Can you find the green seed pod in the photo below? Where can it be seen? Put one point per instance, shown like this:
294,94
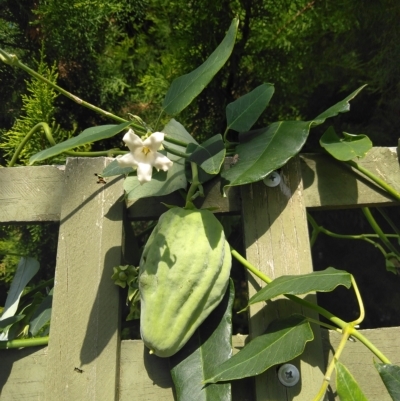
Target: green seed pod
183,276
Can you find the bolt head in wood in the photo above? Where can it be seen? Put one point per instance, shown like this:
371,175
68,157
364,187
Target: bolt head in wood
272,180
288,375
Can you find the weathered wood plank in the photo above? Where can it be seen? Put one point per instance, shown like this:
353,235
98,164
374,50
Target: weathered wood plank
277,243
147,377
85,315
23,374
359,360
30,194
34,194
332,184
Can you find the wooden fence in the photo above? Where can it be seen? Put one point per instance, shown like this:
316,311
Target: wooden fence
85,320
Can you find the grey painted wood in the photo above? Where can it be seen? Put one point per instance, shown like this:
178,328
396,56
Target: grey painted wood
277,243
332,184
30,194
359,360
85,315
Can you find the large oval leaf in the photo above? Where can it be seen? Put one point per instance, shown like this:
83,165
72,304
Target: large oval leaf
390,375
210,345
286,340
346,148
347,387
267,149
322,281
89,135
185,88
244,112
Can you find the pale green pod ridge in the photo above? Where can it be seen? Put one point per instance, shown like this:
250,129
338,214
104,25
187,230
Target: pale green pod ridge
184,272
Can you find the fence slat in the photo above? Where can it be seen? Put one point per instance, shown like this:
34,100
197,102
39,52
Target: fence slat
31,194
277,243
85,315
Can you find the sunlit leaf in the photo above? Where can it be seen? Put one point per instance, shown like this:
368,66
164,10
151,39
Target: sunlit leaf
185,88
284,341
267,149
245,111
41,315
346,148
390,375
322,281
347,388
26,269
210,345
210,155
89,135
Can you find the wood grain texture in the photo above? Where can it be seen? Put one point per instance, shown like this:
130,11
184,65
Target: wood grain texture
30,194
359,360
22,374
277,243
85,315
332,184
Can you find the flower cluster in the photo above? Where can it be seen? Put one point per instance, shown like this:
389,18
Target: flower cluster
143,155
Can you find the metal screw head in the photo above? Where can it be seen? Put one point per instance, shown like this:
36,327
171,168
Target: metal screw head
288,375
272,180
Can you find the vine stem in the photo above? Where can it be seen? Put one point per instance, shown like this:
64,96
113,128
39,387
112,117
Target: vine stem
374,178
323,312
25,342
13,60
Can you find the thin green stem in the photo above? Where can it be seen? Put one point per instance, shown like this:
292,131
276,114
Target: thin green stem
327,378
359,300
374,178
26,342
175,152
375,226
389,221
14,61
196,185
323,312
364,237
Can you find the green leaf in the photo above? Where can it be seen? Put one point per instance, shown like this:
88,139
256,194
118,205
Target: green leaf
89,135
322,281
114,169
9,321
210,345
26,269
347,387
185,88
390,375
210,154
41,315
162,182
346,148
202,175
284,341
245,111
341,107
267,149
176,130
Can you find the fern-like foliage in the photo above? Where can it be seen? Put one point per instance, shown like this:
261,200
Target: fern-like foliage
37,106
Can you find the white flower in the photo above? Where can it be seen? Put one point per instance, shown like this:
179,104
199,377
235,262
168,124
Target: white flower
143,155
